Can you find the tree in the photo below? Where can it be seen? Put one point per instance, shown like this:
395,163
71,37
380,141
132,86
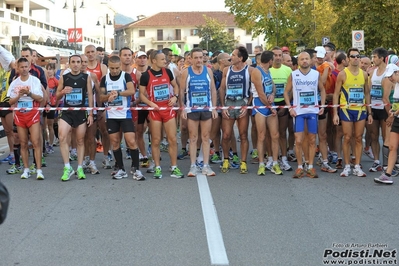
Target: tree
377,18
214,36
290,23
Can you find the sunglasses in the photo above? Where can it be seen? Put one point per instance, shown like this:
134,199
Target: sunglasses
205,54
354,56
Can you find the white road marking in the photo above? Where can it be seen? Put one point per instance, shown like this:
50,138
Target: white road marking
217,250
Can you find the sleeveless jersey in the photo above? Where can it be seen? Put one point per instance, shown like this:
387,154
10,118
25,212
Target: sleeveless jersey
267,83
77,98
97,71
158,88
120,101
4,77
376,91
238,83
198,90
395,98
305,90
352,91
280,77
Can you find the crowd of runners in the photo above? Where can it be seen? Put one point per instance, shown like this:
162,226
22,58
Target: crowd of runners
306,110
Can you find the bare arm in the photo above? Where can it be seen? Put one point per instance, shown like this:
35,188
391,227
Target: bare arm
338,84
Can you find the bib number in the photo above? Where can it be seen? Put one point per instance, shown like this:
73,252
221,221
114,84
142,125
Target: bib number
307,98
234,90
376,92
161,93
199,99
268,87
27,104
356,95
279,90
75,97
117,101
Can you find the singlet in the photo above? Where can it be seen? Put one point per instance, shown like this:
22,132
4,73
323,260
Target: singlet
158,88
395,98
77,98
352,91
377,91
327,85
120,101
97,71
52,84
198,90
238,83
4,76
305,90
267,83
280,76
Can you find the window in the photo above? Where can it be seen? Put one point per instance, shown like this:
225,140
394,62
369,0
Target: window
159,35
142,48
249,48
177,34
159,47
231,31
141,33
248,32
194,32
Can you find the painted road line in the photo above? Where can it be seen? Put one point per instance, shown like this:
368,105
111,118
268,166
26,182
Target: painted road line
217,250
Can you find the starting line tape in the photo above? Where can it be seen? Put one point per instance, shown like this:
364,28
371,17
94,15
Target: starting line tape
181,108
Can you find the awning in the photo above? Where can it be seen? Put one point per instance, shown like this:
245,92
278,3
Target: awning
42,50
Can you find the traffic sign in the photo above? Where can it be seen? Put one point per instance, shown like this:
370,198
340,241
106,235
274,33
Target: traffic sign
358,39
325,40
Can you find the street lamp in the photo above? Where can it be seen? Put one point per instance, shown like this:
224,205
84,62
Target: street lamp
106,21
74,19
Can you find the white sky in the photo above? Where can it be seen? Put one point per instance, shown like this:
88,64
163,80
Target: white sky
151,7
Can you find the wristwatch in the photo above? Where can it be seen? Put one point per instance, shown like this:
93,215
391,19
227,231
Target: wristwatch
177,96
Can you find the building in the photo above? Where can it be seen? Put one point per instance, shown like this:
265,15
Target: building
43,25
163,29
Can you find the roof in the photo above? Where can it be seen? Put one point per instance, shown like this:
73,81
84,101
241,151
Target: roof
168,19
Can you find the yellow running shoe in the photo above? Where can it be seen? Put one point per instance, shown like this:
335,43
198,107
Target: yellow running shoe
243,168
225,166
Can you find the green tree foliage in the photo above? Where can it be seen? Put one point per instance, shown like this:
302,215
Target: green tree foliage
378,19
214,36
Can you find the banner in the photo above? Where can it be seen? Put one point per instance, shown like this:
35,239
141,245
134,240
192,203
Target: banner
71,35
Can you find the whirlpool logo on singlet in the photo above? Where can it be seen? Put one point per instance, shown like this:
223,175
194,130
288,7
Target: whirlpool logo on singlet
300,82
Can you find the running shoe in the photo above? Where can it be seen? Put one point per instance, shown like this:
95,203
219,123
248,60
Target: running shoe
254,157
199,164
106,163
32,169
236,159
358,172
369,153
128,156
269,165
80,173
327,168
384,179
182,155
276,169
93,169
339,164
334,158
68,172
346,172
164,147
25,175
376,167
44,164
261,169
40,176
216,158
176,173
145,163
299,172
158,173
225,166
285,165
193,171
14,169
291,157
120,174
243,168
312,173
8,158
151,167
207,170
138,176
73,157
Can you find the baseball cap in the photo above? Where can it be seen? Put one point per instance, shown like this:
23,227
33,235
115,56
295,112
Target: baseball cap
330,45
321,51
392,59
391,68
285,49
141,53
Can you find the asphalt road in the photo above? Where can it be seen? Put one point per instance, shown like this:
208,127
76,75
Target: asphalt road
229,219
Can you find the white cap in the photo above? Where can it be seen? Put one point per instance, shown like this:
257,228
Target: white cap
321,51
141,53
391,68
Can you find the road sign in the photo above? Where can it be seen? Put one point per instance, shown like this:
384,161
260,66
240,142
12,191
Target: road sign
325,40
358,39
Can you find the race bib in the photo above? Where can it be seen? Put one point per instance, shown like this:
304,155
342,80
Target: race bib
25,104
199,99
307,98
117,101
161,92
376,92
268,87
75,97
279,91
234,90
356,95
53,97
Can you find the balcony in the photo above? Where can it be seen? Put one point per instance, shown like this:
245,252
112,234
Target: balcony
168,40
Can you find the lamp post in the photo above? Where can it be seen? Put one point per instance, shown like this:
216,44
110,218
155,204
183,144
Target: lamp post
106,21
74,19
